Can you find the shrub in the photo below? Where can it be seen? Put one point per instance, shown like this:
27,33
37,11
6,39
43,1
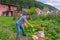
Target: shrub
31,11
34,17
51,16
43,17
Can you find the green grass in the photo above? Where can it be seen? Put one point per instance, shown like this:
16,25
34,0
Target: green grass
50,25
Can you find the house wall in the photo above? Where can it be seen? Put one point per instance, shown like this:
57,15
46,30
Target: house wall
3,8
13,8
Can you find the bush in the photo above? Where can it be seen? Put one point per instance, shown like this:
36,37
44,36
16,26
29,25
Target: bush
51,16
34,17
31,11
42,17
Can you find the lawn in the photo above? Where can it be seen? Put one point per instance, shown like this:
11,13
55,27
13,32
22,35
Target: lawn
7,23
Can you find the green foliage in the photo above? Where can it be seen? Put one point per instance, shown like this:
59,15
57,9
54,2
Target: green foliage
39,5
45,8
31,11
51,16
34,17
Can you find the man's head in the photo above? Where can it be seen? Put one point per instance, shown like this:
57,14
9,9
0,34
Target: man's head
27,15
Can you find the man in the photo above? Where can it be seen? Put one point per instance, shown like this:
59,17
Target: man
22,20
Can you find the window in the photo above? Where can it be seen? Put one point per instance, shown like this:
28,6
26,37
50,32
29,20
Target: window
4,6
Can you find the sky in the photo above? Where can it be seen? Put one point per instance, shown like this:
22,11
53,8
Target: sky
55,3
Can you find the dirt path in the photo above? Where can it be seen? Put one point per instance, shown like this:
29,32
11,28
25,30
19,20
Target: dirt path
25,38
12,34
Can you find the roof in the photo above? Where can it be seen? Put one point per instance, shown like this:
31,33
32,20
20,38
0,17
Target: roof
8,4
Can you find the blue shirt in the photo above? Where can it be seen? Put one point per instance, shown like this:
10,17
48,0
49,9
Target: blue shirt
21,20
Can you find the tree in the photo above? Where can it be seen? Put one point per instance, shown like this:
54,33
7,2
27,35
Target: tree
31,11
46,8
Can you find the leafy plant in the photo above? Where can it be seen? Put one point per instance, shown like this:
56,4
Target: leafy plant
31,11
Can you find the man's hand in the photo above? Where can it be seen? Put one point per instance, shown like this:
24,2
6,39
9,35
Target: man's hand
28,23
32,26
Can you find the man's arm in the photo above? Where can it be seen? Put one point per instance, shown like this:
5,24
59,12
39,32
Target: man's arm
28,23
25,24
